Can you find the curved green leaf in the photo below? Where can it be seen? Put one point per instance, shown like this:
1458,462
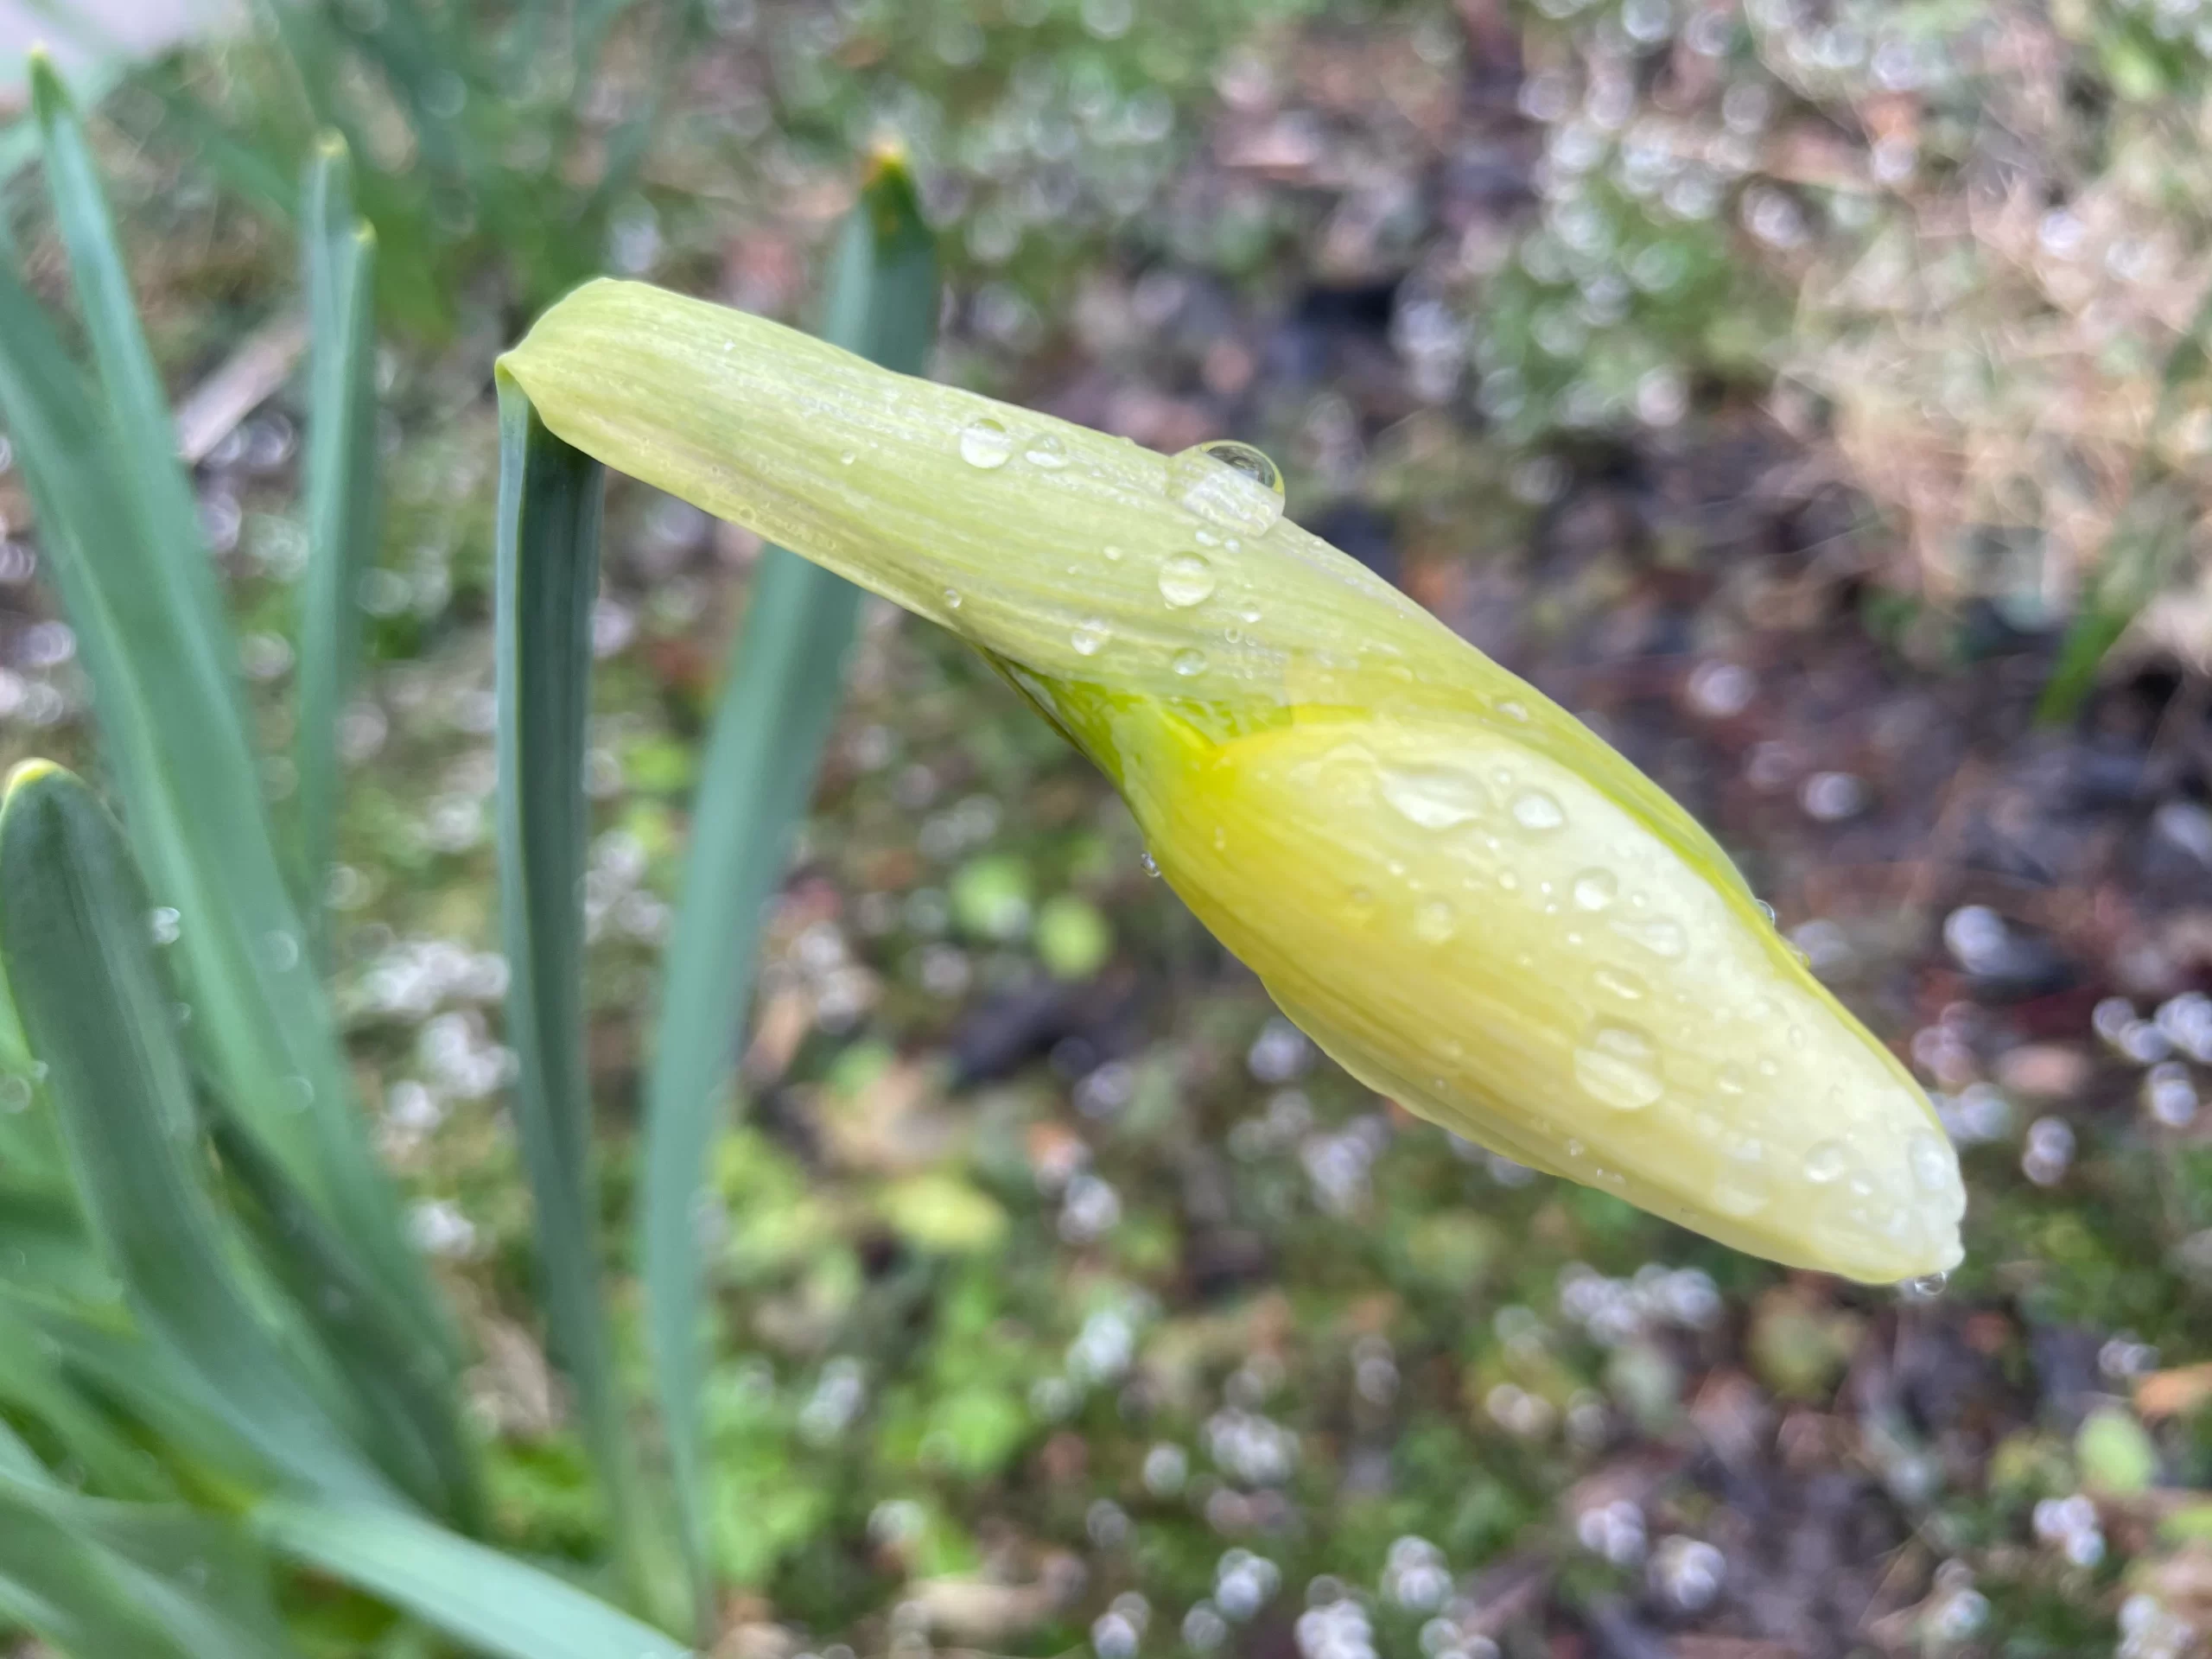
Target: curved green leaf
74,948
494,1603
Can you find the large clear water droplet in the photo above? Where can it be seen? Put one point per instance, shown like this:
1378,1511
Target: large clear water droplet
1617,1067
1231,484
1538,809
1089,635
1435,798
1187,579
984,443
1243,458
1047,451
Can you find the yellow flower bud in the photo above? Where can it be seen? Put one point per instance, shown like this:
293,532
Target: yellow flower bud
1453,885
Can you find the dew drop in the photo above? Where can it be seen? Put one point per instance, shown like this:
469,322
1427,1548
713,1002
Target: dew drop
1435,921
1151,864
1233,484
953,599
1538,809
1513,711
848,458
1112,554
1615,1068
1596,889
1826,1161
1656,934
1925,1288
1435,798
1089,635
1618,982
163,925
279,951
1361,902
1190,662
1045,450
1185,580
984,443
1741,1196
1730,1078
1930,1161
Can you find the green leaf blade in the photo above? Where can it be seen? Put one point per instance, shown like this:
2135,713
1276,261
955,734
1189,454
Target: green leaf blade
338,260
780,697
119,530
96,1578
491,1602
74,948
547,577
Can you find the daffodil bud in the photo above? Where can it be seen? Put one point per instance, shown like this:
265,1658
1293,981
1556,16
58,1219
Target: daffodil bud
1451,884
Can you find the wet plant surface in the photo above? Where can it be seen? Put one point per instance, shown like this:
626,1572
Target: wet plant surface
1068,1297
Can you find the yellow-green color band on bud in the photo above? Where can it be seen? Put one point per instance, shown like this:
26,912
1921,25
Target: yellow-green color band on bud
1453,886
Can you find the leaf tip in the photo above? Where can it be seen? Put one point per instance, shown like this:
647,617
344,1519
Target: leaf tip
888,158
49,92
27,772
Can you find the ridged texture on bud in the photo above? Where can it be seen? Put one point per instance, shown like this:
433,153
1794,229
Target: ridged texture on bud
1453,886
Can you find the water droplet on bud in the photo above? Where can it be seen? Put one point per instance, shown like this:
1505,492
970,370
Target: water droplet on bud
1186,579
1231,484
1536,809
984,443
1596,889
1617,1067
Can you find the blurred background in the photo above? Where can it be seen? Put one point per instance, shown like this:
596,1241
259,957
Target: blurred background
1811,396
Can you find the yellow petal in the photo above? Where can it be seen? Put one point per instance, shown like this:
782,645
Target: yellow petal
1492,940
